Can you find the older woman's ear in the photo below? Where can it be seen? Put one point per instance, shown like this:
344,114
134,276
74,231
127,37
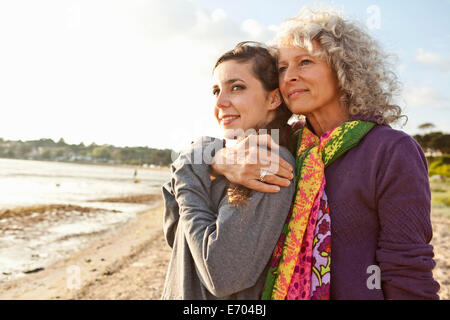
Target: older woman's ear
274,99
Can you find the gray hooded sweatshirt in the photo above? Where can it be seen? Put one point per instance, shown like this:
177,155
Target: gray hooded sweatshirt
219,250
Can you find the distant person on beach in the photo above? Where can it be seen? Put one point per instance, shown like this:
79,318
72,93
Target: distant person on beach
360,224
135,179
222,234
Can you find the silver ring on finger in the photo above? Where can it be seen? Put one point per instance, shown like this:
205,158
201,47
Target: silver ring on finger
262,174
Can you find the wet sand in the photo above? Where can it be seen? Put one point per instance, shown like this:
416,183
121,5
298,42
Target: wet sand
126,263
33,237
21,217
131,261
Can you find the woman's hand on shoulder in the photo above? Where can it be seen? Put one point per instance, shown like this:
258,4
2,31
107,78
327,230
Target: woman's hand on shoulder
243,163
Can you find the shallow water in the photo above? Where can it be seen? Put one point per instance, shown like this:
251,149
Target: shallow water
25,183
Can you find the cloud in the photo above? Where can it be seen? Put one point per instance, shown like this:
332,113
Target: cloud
424,104
425,97
218,15
433,60
258,31
124,72
273,28
253,28
401,67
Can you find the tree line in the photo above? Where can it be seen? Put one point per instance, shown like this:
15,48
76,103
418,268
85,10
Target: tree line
437,148
47,149
434,141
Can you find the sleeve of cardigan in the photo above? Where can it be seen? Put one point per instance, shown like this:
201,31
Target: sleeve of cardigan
404,253
231,245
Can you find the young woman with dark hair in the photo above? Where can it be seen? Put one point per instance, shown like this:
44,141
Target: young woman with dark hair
222,234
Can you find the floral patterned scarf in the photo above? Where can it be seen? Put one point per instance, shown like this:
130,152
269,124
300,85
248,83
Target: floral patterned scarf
300,264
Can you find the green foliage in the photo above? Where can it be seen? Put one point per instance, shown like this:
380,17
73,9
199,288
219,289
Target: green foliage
440,198
441,167
102,152
47,149
46,155
426,126
436,141
444,200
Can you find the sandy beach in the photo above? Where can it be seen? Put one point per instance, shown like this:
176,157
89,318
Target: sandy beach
130,263
126,263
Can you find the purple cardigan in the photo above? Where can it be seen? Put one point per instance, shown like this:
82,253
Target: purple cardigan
379,198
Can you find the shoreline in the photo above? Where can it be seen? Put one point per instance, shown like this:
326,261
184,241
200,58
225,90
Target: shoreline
130,262
90,273
129,166
33,237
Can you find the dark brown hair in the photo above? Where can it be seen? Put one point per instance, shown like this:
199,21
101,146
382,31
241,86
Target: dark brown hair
265,70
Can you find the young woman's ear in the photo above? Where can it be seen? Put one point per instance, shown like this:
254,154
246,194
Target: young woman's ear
274,99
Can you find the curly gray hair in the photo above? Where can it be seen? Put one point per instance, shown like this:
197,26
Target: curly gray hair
367,83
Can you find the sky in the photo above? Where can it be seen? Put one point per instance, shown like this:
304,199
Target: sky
139,73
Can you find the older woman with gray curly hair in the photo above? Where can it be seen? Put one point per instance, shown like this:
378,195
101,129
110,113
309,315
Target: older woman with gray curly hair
359,226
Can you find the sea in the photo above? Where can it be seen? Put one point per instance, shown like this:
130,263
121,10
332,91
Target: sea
26,183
